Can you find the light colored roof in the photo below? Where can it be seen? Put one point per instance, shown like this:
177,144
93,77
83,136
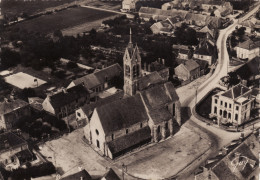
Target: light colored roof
191,65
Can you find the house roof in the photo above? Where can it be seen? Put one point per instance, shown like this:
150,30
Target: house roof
36,102
150,79
129,140
77,176
10,140
156,66
191,65
99,77
203,64
247,23
205,30
88,108
122,113
111,175
10,105
206,48
249,69
249,45
67,96
236,91
159,95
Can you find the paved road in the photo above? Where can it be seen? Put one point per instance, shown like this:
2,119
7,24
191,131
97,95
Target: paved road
218,137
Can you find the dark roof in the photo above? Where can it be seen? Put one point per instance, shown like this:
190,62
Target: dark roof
249,44
77,176
10,140
159,95
222,171
67,96
160,115
206,48
156,66
191,65
122,113
111,175
203,64
88,108
236,91
129,140
10,105
36,103
150,79
249,69
99,77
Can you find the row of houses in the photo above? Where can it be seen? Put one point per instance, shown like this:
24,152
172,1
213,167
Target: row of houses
200,20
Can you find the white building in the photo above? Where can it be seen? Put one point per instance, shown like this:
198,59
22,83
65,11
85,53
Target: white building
129,5
248,49
232,106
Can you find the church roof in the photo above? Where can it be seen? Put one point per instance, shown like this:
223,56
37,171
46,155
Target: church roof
149,79
122,113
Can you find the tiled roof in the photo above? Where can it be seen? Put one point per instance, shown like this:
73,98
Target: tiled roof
150,79
10,105
99,77
122,113
191,65
236,91
159,95
88,108
77,176
62,98
249,69
202,64
129,140
205,29
206,48
111,175
249,45
160,115
10,140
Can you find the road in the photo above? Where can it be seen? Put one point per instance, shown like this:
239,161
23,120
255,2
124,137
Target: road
102,9
218,137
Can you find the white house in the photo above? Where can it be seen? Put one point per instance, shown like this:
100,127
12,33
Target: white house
129,5
232,106
248,49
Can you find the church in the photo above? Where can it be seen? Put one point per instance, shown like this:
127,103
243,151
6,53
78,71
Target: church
148,112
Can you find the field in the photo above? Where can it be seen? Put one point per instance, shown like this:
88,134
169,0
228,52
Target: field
23,80
64,19
13,8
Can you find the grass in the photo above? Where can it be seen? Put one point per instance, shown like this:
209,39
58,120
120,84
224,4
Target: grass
64,19
204,107
13,8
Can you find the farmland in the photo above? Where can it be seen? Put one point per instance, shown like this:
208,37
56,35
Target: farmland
64,19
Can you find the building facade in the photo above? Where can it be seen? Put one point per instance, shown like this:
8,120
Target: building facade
232,106
248,50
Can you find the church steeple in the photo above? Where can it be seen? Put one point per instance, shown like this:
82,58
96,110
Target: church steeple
132,67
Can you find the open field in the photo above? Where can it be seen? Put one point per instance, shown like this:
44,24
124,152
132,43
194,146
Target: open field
13,8
64,19
23,80
71,152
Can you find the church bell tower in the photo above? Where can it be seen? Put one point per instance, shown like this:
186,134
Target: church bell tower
132,68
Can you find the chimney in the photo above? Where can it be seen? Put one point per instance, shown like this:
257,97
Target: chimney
149,67
163,61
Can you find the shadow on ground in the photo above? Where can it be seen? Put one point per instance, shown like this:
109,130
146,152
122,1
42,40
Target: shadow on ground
185,114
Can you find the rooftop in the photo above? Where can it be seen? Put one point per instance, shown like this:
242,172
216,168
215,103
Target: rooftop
81,175
236,91
249,45
10,140
8,106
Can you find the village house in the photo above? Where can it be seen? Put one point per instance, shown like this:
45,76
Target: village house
188,70
13,150
232,106
248,49
11,110
205,33
248,24
206,51
183,52
157,66
234,163
129,5
64,102
149,111
99,80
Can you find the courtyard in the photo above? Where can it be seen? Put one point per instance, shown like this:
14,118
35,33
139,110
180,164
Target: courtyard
152,161
23,80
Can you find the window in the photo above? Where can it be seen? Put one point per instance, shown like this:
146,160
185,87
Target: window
229,115
216,101
166,125
237,107
173,109
158,129
225,104
98,144
215,110
225,114
221,103
112,137
246,106
236,117
141,125
229,105
97,132
78,114
220,112
127,70
126,131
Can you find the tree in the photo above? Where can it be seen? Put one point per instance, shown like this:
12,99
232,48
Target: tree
58,34
9,58
72,65
25,93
